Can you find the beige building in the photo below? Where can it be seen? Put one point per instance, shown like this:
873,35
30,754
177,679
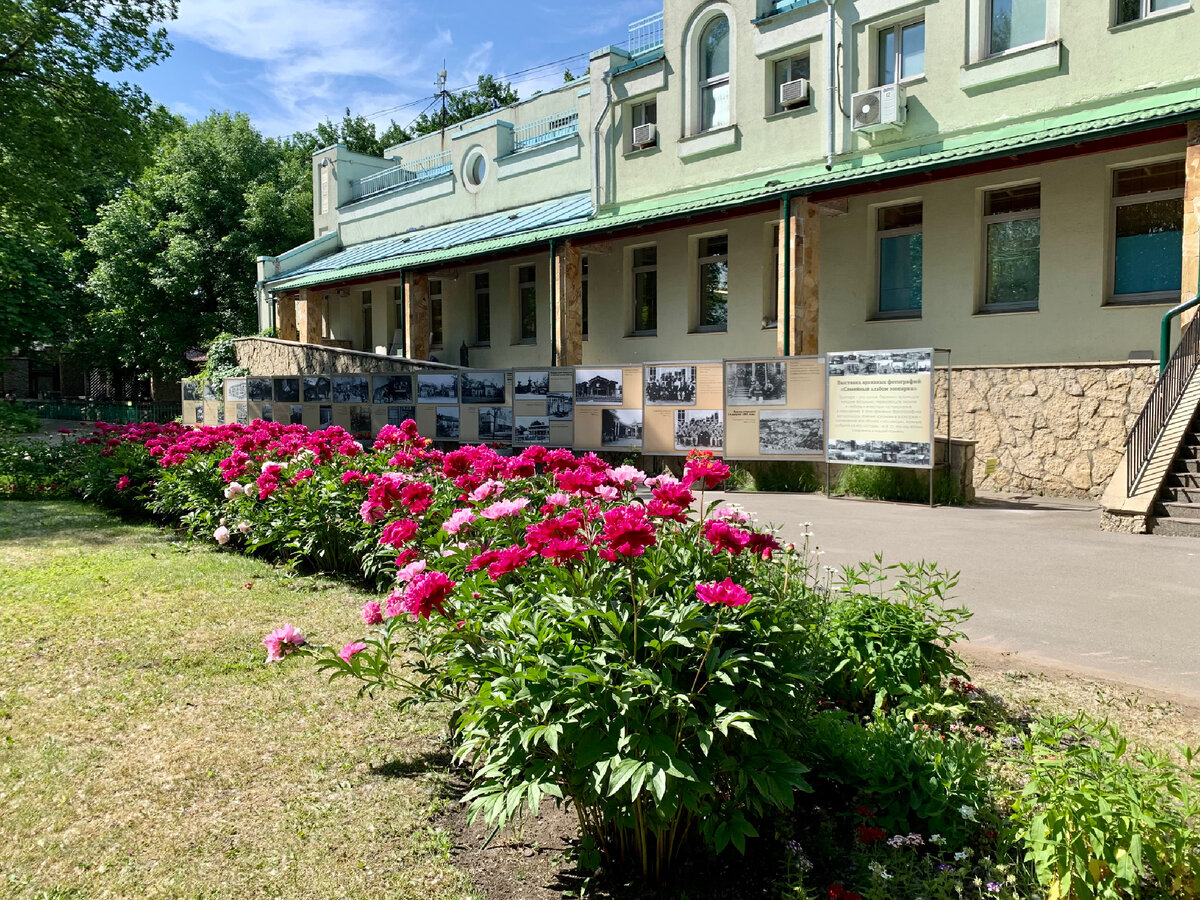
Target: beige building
1014,180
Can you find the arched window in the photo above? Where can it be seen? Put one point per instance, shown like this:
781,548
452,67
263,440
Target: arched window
714,75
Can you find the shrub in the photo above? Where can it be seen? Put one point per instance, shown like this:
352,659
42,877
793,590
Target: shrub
17,419
897,484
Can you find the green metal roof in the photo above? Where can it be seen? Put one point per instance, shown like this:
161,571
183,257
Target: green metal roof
1137,112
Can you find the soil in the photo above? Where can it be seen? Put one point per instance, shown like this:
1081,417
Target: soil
534,859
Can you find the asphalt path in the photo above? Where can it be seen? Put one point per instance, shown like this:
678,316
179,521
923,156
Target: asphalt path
1041,578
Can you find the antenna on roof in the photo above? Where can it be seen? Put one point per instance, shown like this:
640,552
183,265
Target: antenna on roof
441,86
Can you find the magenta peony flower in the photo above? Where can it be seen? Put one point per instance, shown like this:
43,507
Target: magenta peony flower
283,641
221,535
722,593
502,508
398,531
351,650
724,536
123,482
508,560
626,532
707,470
371,613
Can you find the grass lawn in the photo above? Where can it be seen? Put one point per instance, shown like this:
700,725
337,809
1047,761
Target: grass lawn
147,751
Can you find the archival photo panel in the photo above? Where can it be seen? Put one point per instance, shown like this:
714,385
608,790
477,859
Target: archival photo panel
775,408
607,408
684,408
881,408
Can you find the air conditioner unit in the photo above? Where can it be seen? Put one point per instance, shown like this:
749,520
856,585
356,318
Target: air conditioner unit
645,135
879,108
793,93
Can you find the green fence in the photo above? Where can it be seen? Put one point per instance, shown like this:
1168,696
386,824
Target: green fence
107,412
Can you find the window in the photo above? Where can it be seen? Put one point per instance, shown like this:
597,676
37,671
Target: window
714,75
771,295
436,338
714,284
399,344
1148,231
901,53
1015,23
483,309
1013,239
527,303
368,341
583,283
1132,10
644,114
790,69
898,232
645,290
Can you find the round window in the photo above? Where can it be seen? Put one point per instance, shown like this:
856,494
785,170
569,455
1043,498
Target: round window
475,168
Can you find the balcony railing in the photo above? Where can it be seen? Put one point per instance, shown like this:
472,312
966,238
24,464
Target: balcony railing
545,130
424,169
781,6
645,35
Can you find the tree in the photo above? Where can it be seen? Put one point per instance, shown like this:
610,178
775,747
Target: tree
175,250
487,95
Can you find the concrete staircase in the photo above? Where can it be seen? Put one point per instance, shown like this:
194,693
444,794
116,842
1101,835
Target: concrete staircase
1177,510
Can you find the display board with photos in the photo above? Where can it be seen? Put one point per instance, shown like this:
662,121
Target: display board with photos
438,413
485,407
544,407
393,400
683,405
880,408
608,408
775,408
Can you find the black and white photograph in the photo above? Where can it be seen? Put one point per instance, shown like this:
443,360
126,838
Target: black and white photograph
326,416
447,423
287,390
258,389
191,391
791,432
699,429
295,414
235,390
560,406
437,388
391,389
199,413
398,415
317,389
496,424
531,384
880,362
350,389
598,387
670,385
268,412
242,412
211,393
756,383
531,430
360,421
220,413
482,387
887,453
621,427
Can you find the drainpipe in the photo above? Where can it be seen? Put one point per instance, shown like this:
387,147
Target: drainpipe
607,78
787,275
830,76
553,308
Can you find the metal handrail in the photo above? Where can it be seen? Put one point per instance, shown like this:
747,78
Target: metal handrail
546,129
645,35
1175,372
424,169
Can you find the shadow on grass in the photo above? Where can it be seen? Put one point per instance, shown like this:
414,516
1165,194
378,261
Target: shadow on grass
421,764
66,520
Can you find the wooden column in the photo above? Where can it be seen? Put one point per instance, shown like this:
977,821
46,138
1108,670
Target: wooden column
568,305
416,313
1191,219
285,317
310,310
805,300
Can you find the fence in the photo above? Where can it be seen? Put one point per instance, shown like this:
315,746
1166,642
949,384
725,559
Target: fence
423,169
1144,435
645,35
107,412
545,130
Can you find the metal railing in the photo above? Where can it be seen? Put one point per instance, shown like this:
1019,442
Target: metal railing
1175,374
645,35
781,6
423,169
546,129
87,411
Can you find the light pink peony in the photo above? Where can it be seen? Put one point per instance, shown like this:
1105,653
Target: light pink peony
489,488
458,520
411,571
222,535
372,614
608,492
283,641
558,498
502,508
244,527
626,475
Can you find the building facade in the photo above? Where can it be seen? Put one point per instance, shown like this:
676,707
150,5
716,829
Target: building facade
1015,180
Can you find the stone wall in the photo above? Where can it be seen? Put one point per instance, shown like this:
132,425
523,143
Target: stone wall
1053,430
267,356
14,377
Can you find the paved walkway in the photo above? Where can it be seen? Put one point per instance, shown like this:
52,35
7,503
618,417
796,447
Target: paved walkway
1040,577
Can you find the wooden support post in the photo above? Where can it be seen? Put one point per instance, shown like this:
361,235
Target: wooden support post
1191,220
804,303
416,312
285,317
310,310
568,302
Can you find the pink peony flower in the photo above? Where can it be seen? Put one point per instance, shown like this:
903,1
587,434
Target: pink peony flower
731,514
371,613
397,532
411,571
724,536
123,482
221,535
425,593
608,492
488,489
283,641
502,508
626,532
627,476
705,469
244,527
458,520
723,593
351,650
558,498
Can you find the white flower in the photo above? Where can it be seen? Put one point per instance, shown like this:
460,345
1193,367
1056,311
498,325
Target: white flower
935,838
244,527
234,490
222,534
967,812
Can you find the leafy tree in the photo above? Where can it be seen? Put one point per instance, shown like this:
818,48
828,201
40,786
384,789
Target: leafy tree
487,95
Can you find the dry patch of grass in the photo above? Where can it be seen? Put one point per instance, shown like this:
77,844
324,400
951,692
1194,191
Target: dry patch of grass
147,751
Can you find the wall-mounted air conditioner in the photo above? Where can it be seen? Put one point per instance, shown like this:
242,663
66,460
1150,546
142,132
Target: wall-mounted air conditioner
645,135
793,93
879,108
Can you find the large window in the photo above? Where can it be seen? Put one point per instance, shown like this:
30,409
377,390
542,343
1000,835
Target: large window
898,231
368,336
583,284
1012,228
714,75
436,339
527,303
901,53
1132,10
713,311
791,69
483,309
1148,226
1015,23
645,290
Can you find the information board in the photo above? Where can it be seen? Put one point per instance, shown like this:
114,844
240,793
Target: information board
684,408
608,408
486,414
544,407
880,406
775,408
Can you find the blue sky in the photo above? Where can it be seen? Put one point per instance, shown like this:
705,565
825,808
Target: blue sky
292,63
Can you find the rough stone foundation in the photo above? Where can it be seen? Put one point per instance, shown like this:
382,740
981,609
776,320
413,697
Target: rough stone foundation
1053,430
268,356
